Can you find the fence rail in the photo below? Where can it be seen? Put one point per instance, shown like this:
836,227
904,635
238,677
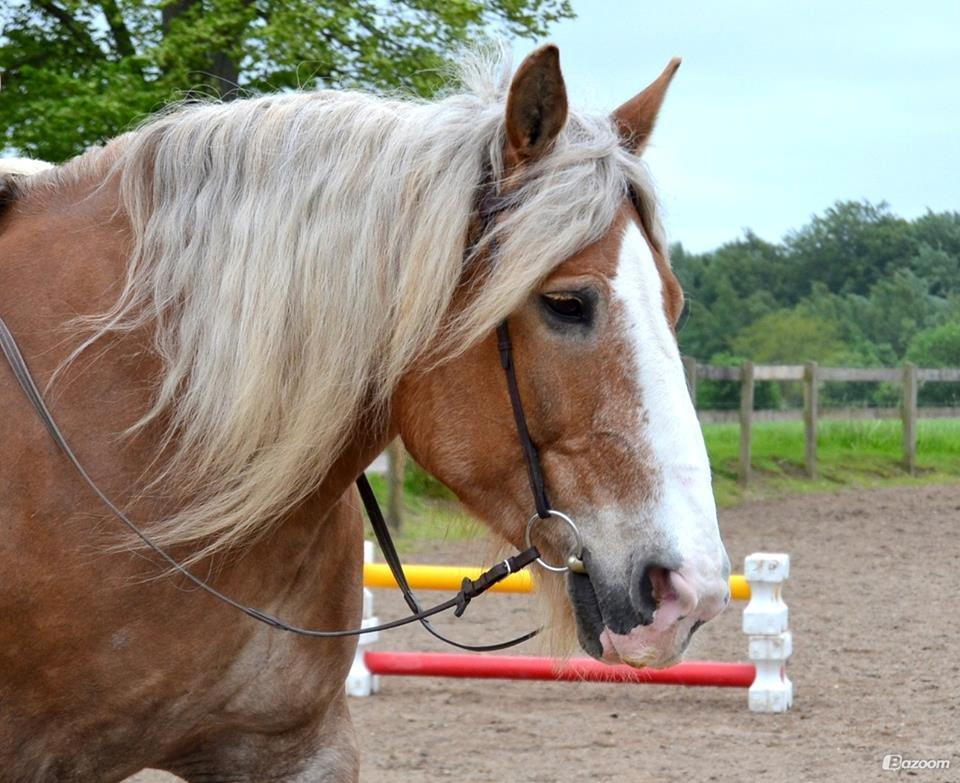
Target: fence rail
795,372
812,376
711,416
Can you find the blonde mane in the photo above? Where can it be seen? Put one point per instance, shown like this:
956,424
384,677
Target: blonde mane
298,252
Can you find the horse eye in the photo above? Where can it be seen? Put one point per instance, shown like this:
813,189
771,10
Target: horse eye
566,307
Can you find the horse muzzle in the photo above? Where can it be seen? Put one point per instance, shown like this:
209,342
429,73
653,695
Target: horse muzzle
652,621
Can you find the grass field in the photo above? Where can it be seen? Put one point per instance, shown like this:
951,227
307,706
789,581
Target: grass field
850,454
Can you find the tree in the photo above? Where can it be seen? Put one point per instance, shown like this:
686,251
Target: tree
940,230
939,268
851,246
725,290
789,337
77,72
937,347
711,325
900,306
749,265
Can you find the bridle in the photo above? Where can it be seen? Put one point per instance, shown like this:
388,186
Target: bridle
490,206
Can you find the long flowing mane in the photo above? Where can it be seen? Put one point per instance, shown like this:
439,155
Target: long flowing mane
297,252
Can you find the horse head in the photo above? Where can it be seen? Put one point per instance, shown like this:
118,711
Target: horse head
605,398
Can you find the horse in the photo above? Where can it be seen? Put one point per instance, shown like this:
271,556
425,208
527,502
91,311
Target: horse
232,309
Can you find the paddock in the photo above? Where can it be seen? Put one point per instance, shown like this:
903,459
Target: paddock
873,574
871,593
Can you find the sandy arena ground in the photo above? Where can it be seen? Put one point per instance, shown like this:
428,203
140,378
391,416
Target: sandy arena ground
873,610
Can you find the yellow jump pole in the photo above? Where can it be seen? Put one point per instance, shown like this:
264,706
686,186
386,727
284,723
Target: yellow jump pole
431,577
739,588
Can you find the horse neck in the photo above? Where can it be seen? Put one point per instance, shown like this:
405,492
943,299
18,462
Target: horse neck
63,253
367,441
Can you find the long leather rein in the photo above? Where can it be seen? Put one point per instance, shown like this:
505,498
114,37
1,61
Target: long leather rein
490,205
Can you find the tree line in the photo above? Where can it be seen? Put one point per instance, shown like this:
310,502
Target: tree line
858,286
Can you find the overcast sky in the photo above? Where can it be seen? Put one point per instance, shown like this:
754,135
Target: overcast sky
780,108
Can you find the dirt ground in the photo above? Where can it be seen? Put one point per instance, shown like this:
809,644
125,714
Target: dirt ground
873,610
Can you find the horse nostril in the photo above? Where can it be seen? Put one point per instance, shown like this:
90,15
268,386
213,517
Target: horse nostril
653,580
658,587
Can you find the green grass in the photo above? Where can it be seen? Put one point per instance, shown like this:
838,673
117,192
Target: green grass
850,454
430,513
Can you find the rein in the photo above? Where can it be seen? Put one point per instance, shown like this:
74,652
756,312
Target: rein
490,206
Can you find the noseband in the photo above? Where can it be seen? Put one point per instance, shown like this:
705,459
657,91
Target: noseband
490,205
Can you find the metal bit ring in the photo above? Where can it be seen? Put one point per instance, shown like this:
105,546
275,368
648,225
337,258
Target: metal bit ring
576,532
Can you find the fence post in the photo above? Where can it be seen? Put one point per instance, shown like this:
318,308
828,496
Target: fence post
811,404
746,418
690,370
396,457
908,412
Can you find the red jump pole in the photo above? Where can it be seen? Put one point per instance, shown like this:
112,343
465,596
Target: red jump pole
525,667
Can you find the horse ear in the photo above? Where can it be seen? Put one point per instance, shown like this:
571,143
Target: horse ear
536,106
635,119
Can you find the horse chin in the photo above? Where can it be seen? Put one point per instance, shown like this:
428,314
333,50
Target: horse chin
640,648
613,649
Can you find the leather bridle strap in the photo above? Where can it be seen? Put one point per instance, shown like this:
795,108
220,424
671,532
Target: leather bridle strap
490,205
389,552
530,453
469,590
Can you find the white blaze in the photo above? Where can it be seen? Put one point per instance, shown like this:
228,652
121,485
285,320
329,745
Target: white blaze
686,514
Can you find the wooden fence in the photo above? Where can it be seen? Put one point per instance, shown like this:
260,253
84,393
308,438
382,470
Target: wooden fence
811,375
